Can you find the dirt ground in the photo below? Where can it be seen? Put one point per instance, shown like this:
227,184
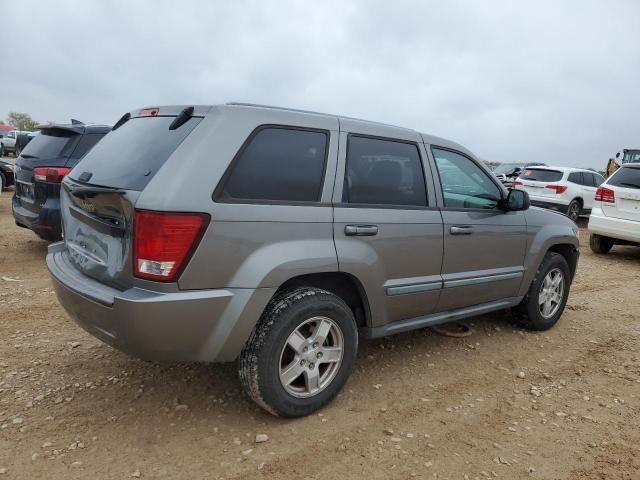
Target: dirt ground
503,403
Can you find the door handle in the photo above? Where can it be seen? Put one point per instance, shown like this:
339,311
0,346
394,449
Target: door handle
461,230
361,230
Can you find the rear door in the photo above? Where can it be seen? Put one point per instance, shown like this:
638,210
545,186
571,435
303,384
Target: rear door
484,246
52,148
99,195
387,228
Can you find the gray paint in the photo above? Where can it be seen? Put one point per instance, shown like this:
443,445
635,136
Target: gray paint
413,272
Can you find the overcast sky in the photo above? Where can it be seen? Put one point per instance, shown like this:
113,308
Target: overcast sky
557,82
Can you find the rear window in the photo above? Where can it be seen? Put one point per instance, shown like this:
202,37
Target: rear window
131,155
51,143
542,175
626,177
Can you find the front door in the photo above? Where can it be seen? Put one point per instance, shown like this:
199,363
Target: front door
387,229
484,246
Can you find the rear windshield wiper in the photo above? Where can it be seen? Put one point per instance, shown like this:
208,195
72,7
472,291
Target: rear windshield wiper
26,155
182,118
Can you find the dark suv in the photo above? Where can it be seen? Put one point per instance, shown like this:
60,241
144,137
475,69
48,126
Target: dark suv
40,168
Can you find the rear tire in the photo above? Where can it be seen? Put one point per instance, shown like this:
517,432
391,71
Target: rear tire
573,210
600,244
283,369
3,182
532,313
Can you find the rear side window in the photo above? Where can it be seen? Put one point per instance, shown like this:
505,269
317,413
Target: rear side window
129,156
575,177
85,144
383,172
542,175
278,164
626,177
51,143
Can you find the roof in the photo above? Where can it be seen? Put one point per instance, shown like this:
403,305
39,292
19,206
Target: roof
564,169
6,128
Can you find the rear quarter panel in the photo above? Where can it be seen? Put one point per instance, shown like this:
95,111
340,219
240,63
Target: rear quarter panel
247,245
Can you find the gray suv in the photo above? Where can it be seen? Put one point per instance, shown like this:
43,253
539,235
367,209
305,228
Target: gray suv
278,237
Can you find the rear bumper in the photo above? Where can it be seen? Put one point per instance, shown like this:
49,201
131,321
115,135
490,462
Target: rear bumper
195,325
616,228
45,222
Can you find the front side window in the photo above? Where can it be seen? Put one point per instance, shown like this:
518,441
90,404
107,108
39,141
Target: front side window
383,172
278,164
464,184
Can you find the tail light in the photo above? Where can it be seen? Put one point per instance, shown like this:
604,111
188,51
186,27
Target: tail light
50,174
558,188
605,195
164,242
515,184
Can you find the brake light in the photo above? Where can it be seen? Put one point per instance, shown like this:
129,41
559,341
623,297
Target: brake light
50,174
515,184
558,188
164,242
605,195
149,112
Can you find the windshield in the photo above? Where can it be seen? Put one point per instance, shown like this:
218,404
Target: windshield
507,168
631,156
129,156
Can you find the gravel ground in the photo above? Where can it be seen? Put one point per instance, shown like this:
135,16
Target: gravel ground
503,403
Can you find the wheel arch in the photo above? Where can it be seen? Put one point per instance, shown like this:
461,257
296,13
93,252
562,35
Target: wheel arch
341,284
570,254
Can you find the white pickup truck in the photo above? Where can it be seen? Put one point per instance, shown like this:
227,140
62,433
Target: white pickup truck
8,142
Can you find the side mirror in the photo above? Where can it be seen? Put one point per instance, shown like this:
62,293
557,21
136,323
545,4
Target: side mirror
516,201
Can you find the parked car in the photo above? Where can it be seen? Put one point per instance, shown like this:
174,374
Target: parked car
566,190
8,142
41,167
508,172
278,237
615,218
22,140
6,175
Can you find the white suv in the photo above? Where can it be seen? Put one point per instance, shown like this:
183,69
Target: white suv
567,190
615,218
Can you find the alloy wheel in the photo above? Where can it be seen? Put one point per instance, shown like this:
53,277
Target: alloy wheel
311,357
551,293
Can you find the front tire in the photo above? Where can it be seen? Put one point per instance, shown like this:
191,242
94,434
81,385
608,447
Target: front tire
300,353
544,303
600,244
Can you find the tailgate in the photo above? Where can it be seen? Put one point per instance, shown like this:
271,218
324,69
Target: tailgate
626,206
98,226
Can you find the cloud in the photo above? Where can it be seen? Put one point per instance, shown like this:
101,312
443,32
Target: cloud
512,81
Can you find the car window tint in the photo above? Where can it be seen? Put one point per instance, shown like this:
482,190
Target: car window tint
626,177
464,184
279,164
542,175
588,179
51,143
575,177
383,172
599,179
85,144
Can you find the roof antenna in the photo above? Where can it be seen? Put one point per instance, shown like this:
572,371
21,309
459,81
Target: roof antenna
76,122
